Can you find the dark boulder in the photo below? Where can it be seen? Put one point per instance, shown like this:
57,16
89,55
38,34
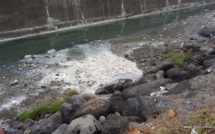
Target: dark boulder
205,32
87,124
192,71
69,108
209,63
117,101
181,87
176,74
115,124
142,106
61,129
95,107
210,51
144,89
165,65
117,85
47,126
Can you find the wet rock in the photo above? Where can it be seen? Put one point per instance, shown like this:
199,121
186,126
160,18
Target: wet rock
115,124
141,80
15,82
176,74
144,89
84,125
117,85
142,106
61,129
165,65
95,107
209,63
69,108
181,87
205,32
210,51
89,96
117,101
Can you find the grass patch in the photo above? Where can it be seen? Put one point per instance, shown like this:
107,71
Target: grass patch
169,55
178,58
49,107
73,92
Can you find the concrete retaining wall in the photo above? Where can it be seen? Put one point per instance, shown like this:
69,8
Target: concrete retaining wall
22,14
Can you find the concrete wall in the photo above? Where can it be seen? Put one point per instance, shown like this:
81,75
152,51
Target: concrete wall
20,14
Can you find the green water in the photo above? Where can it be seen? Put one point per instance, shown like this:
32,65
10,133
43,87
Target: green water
15,50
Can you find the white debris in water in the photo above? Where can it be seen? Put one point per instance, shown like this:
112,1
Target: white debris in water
51,51
100,66
12,102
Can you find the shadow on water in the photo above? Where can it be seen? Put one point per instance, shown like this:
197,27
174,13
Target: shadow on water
15,50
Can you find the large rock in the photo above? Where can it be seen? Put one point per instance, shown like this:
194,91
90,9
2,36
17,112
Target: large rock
176,74
69,108
209,63
115,124
61,129
181,87
117,85
95,107
193,71
84,125
89,96
142,106
117,101
205,32
47,126
210,51
165,65
144,89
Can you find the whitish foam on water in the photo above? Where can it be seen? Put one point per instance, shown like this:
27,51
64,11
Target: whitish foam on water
12,102
100,66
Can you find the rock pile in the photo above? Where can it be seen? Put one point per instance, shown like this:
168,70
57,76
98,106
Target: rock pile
164,86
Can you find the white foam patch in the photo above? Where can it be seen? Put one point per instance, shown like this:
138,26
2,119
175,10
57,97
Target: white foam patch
12,102
99,67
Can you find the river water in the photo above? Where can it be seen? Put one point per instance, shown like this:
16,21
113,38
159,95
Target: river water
82,59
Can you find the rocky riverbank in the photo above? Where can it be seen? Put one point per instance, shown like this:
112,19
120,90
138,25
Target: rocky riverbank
178,78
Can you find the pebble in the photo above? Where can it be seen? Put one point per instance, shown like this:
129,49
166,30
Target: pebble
15,82
102,119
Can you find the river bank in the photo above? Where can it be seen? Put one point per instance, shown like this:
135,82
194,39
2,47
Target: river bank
47,72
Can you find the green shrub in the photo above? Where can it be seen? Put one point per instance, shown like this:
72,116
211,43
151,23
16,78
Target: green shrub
178,58
73,92
49,107
169,55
